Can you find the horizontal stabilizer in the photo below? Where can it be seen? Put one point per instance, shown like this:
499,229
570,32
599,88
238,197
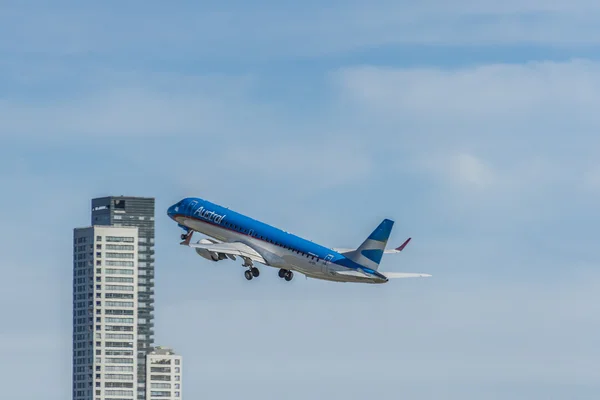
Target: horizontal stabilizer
399,275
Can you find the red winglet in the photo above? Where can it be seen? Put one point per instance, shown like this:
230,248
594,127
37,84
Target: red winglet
403,245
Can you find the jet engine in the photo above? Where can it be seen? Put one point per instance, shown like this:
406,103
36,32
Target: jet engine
209,255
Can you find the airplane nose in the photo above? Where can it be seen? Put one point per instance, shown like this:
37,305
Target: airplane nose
171,210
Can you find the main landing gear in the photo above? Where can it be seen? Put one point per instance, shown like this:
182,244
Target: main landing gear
286,274
251,272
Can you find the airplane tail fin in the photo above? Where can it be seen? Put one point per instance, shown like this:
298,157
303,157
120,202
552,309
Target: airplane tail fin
370,252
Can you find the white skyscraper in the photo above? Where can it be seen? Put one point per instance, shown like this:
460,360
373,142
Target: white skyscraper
163,375
105,330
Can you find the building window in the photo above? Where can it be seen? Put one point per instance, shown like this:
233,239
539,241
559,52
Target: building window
120,255
111,263
115,271
160,386
98,238
120,247
120,288
116,239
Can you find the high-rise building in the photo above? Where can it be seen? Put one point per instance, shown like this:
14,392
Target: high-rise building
127,211
164,374
105,326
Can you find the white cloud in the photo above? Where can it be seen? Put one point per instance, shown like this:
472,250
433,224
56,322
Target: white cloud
528,119
462,169
485,94
505,143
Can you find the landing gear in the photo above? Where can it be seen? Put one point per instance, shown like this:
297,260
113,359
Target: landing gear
285,274
251,273
186,237
248,275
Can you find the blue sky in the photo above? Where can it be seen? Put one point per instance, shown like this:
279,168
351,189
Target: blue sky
473,125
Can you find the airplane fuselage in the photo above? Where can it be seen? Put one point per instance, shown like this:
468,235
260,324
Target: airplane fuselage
279,248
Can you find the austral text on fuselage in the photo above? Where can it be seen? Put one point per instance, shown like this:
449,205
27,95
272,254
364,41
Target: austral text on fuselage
208,215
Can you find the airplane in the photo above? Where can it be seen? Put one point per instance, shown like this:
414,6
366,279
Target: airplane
231,234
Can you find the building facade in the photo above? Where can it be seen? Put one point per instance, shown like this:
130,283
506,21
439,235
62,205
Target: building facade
164,372
105,326
129,211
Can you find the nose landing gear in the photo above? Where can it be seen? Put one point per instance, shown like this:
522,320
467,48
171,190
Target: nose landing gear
186,237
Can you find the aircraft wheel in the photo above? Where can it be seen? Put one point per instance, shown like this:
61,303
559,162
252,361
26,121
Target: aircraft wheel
248,275
289,275
183,236
282,273
255,272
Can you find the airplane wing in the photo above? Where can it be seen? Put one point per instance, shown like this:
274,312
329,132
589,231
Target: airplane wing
389,251
231,248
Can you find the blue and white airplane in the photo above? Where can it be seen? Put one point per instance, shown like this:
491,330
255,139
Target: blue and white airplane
235,235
